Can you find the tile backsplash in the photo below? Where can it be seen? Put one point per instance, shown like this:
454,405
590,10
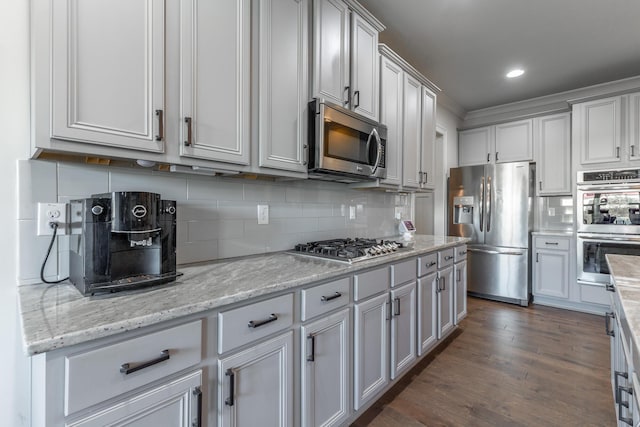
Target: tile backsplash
554,213
217,217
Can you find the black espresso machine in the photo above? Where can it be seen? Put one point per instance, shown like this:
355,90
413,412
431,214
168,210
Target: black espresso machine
122,240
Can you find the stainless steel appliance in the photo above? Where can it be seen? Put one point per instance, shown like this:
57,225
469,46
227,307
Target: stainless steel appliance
348,250
491,204
122,240
608,220
343,146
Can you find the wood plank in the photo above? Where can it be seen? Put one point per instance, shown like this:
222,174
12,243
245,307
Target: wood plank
508,366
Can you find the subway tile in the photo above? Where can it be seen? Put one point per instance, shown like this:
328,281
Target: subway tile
182,232
294,225
214,189
317,210
196,252
333,223
238,210
170,187
36,183
31,252
294,194
203,230
228,248
190,211
264,192
285,210
81,181
283,242
231,228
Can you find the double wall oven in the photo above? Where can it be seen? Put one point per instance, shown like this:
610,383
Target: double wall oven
608,220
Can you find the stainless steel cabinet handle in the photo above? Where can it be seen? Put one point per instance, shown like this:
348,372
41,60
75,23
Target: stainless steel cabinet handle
396,309
481,202
551,243
374,133
632,150
126,368
257,323
431,264
496,156
540,186
189,141
488,157
442,285
487,251
197,392
621,404
331,297
607,323
489,201
462,252
232,387
347,89
618,152
537,257
609,287
357,103
448,257
160,135
312,339
616,389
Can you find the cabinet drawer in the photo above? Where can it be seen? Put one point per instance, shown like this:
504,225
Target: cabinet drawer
370,283
403,272
324,298
549,242
594,294
427,264
254,321
460,253
97,375
445,258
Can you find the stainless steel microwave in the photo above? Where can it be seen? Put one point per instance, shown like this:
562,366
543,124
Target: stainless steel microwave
343,146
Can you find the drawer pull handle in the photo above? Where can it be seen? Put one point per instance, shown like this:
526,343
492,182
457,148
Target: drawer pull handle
126,368
607,323
197,392
431,264
312,357
257,323
160,135
329,298
448,257
617,386
396,311
189,140
462,253
232,387
551,243
609,287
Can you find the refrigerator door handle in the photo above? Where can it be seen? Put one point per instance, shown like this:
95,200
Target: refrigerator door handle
481,202
489,204
488,251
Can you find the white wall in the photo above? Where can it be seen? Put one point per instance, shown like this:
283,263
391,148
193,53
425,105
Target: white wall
14,140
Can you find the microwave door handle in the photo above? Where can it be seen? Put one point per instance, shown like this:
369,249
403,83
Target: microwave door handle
481,202
374,132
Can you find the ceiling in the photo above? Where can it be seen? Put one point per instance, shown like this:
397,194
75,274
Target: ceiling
467,46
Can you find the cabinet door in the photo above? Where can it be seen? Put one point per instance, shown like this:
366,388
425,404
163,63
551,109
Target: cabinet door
325,370
391,82
255,385
514,141
597,127
214,80
460,295
475,146
553,142
446,311
364,67
283,83
107,80
634,127
403,328
551,273
331,51
174,404
412,132
371,349
428,138
427,313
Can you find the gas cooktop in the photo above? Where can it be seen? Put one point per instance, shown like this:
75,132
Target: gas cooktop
348,250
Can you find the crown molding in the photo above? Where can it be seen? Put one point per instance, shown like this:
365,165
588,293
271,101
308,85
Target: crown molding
364,13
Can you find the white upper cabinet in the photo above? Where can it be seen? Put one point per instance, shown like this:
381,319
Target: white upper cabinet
633,133
345,57
475,146
107,73
427,151
597,130
391,84
506,142
412,132
214,80
553,154
283,84
514,141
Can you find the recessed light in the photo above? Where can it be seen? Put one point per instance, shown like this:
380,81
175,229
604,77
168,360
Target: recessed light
515,73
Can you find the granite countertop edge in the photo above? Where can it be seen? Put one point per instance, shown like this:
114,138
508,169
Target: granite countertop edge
58,316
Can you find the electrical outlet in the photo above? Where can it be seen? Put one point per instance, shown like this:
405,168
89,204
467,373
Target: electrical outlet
398,212
352,212
263,214
49,213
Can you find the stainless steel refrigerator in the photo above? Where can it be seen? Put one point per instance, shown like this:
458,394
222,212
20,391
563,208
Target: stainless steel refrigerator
492,204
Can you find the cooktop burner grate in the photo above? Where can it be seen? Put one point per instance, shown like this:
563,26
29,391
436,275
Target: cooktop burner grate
348,250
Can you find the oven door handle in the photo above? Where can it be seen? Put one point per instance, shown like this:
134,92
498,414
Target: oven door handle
620,185
374,133
609,238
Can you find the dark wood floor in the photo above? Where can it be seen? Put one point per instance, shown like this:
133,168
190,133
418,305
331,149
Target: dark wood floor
508,366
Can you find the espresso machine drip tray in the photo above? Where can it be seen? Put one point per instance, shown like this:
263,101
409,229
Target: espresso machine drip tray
133,282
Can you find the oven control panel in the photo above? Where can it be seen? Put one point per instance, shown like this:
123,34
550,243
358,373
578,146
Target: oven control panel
608,175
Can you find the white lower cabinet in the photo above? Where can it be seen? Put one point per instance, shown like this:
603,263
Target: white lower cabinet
551,275
325,370
175,404
255,386
427,313
460,296
371,348
403,328
445,294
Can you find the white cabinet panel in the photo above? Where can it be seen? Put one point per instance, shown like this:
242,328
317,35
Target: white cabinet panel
107,72
325,370
364,67
255,386
412,133
553,159
475,146
427,151
391,99
403,328
460,297
634,126
551,266
427,313
597,128
214,95
446,310
514,141
283,84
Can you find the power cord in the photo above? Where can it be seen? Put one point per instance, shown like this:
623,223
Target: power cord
53,225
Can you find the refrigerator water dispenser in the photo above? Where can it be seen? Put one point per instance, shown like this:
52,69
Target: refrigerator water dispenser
463,210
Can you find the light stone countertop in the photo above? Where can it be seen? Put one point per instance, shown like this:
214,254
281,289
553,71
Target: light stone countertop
57,316
558,233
